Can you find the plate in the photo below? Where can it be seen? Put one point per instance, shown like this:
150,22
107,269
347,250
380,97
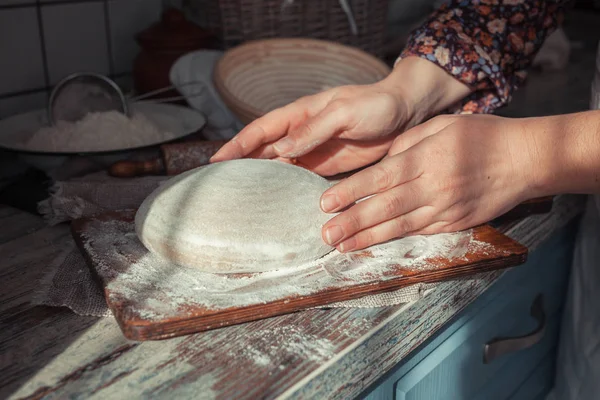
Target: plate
181,121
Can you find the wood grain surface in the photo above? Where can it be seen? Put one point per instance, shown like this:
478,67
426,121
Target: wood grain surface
130,301
50,352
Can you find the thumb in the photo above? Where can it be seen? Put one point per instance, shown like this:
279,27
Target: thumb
334,118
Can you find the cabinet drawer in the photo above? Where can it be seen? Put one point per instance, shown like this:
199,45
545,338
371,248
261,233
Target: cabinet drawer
456,370
546,271
528,373
537,384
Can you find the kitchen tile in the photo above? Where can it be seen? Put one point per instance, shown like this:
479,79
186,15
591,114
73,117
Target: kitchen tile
21,63
75,36
173,3
70,1
17,3
18,104
127,18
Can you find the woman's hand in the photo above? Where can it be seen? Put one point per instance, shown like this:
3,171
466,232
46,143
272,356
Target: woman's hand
335,131
348,127
448,174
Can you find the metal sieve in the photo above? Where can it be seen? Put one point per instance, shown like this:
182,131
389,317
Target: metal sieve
81,93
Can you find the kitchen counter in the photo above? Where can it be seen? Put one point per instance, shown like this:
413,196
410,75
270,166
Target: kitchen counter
52,353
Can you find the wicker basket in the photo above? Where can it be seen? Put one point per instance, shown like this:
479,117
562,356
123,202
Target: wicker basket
236,21
259,76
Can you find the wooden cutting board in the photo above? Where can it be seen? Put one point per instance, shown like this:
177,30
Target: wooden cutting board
152,298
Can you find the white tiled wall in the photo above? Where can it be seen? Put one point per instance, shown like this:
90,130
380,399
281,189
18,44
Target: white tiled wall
42,41
21,67
127,18
75,39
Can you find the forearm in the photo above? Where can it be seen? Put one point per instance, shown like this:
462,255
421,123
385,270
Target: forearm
424,87
565,153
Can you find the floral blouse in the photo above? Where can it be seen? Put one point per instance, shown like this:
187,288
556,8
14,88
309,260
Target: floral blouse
486,44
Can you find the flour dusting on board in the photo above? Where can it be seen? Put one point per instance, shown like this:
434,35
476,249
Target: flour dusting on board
154,288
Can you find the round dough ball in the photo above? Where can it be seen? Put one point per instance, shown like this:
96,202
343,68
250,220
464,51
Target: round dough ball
245,215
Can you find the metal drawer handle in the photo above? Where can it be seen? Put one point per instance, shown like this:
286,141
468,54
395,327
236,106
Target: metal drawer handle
501,346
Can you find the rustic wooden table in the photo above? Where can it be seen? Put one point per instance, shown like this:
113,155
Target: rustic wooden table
334,353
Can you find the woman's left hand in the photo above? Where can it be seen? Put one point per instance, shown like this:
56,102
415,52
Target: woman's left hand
448,174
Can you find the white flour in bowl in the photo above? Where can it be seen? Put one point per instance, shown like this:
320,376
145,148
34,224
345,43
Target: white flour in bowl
99,131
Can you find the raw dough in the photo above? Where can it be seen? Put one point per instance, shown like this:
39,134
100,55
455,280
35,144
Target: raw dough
243,215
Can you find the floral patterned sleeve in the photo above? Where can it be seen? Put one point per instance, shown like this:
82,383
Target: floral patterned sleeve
486,44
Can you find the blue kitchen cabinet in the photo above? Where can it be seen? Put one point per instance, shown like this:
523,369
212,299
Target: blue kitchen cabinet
451,364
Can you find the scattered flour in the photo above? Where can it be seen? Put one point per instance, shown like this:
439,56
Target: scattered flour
98,131
154,288
294,345
114,377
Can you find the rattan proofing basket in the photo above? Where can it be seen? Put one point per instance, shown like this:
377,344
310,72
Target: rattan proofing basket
259,76
235,21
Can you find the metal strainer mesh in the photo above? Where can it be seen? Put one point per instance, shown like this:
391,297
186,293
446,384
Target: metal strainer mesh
81,93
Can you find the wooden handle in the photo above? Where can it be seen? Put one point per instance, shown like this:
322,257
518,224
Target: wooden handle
130,169
181,157
176,158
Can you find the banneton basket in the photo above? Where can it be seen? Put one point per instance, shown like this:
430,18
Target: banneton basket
236,21
260,76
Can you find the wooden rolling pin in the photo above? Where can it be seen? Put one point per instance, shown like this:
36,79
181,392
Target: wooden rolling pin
175,158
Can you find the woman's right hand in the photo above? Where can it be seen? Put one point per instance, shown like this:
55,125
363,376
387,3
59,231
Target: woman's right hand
347,127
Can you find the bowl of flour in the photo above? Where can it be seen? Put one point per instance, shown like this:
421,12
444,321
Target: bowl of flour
104,137
149,124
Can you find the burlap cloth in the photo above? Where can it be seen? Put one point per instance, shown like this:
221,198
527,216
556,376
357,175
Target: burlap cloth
69,282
